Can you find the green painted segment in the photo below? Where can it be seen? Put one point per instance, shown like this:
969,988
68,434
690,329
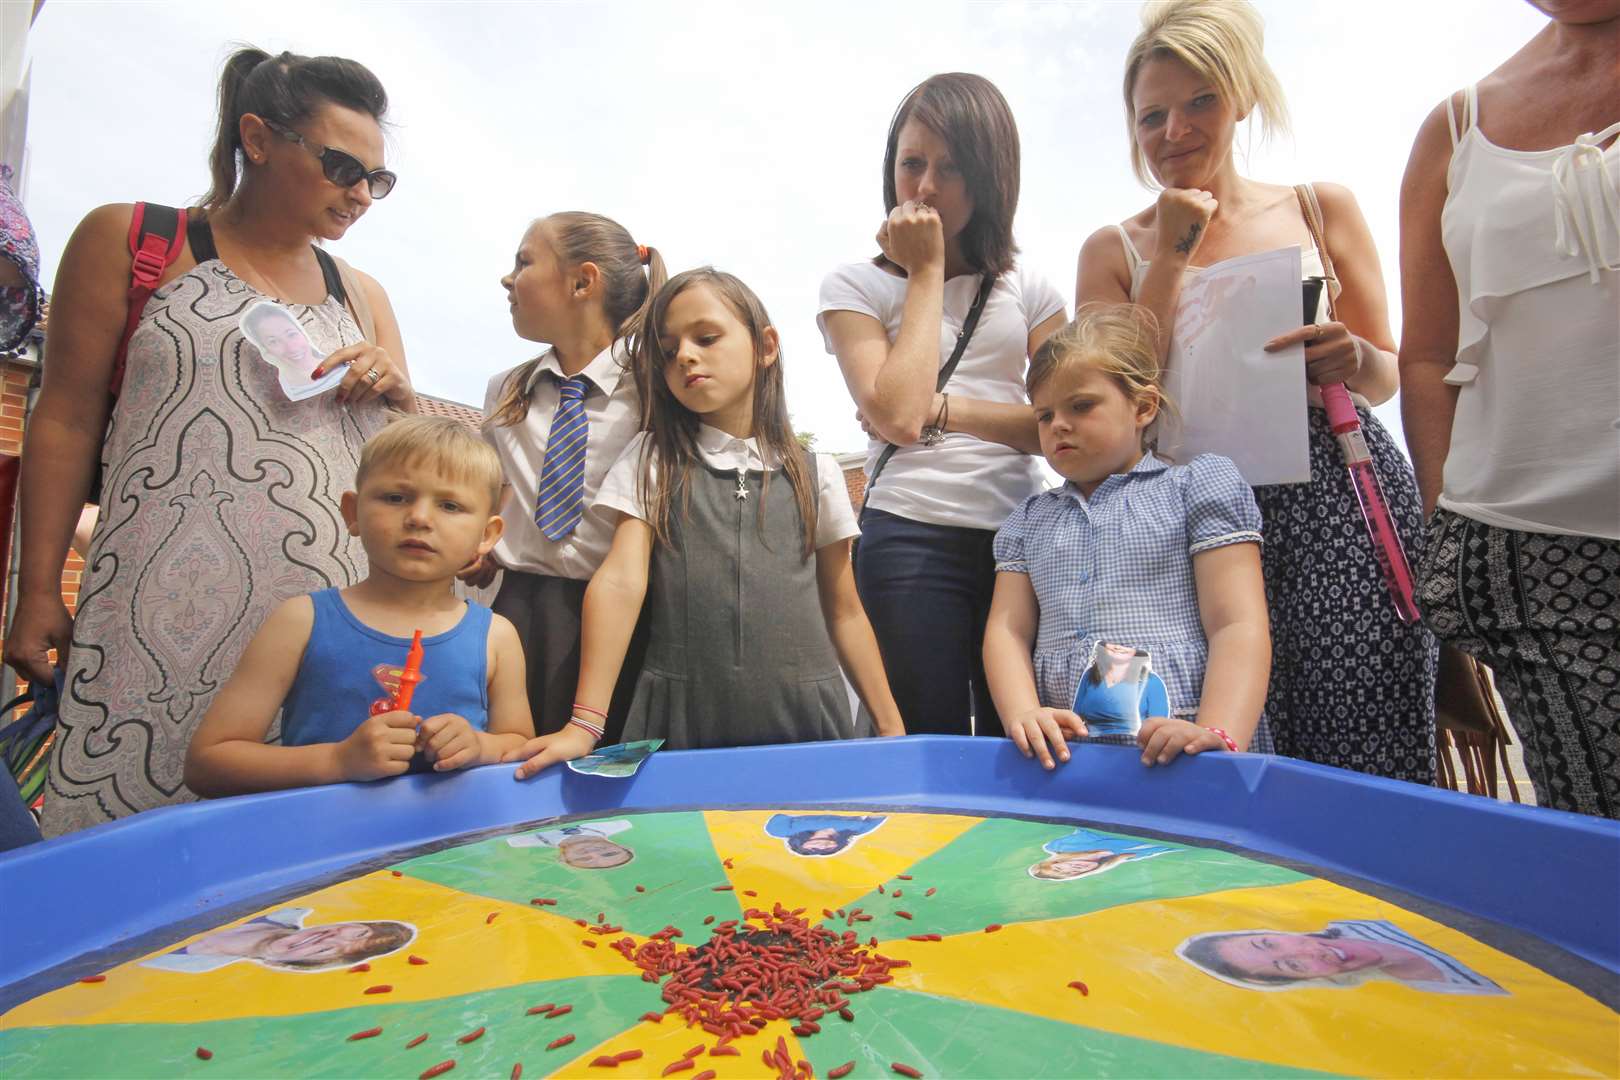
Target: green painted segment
983,877
316,1044
674,860
940,1036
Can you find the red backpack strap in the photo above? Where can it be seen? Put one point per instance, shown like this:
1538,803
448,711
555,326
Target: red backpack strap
157,234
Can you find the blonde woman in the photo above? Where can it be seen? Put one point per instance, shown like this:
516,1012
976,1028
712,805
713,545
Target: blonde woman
1351,686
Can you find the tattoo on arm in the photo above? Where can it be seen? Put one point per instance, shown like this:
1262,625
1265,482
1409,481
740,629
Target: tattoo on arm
1185,244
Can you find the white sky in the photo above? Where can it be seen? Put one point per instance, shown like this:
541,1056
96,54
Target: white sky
747,135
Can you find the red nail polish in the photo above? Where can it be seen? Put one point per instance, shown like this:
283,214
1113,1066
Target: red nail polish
317,373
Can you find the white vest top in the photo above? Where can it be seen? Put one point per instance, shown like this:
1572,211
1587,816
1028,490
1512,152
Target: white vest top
1534,242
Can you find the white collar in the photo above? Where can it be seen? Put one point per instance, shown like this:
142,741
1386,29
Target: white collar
604,370
727,450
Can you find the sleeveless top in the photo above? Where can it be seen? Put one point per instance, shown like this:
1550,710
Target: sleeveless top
738,652
219,501
1533,237
334,688
1310,261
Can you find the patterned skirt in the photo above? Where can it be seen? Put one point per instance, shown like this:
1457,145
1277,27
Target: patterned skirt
1351,685
1543,611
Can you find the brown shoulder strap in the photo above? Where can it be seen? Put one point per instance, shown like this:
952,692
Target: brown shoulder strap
355,296
1312,212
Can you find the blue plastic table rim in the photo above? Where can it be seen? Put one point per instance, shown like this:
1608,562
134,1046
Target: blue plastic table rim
107,888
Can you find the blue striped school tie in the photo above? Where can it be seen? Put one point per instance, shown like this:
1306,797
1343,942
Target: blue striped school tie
562,478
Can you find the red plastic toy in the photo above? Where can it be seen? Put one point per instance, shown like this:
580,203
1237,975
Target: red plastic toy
400,683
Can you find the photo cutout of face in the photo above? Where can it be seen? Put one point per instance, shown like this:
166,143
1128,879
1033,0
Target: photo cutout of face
281,941
1347,953
1120,690
282,343
820,835
585,846
1084,852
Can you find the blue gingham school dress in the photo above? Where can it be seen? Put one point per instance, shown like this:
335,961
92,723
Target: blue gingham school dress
1118,567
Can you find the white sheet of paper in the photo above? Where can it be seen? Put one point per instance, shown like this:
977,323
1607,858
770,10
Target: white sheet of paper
1235,398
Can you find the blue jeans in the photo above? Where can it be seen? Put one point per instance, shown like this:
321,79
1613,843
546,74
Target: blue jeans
927,589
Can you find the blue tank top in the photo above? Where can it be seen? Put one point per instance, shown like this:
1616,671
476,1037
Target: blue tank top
334,688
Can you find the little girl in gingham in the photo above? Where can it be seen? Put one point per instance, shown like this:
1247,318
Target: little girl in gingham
1132,551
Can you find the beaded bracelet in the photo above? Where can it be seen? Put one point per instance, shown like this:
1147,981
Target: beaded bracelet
1224,737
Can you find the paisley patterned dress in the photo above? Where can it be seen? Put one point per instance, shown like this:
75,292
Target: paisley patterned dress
220,500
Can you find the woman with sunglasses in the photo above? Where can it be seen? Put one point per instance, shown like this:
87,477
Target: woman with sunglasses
219,494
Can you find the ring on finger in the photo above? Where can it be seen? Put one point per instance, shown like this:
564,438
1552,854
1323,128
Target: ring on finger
372,376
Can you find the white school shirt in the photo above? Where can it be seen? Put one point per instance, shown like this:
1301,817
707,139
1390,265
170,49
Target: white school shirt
835,518
961,481
613,411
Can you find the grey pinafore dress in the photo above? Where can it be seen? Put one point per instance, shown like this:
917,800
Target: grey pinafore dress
738,653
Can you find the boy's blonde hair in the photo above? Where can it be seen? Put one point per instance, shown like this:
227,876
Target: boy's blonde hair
435,442
1119,340
1223,41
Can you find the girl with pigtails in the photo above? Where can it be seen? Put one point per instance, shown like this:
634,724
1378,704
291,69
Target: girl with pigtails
579,284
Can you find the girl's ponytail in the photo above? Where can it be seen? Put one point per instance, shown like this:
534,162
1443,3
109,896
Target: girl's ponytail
578,236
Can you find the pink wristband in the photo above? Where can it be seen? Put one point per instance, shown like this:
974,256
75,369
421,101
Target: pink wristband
1224,737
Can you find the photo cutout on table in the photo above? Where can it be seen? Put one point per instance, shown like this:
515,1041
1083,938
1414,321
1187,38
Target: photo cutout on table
280,941
1348,953
820,835
586,846
1084,853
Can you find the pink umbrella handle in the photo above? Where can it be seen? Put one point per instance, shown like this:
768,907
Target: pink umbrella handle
1386,541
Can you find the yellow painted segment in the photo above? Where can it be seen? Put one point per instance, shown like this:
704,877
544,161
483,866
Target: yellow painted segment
1140,987
764,864
465,954
666,1042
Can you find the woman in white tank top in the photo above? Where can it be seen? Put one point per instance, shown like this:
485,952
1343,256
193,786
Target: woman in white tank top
1351,685
1510,379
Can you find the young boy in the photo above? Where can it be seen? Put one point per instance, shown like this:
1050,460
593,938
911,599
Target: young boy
424,507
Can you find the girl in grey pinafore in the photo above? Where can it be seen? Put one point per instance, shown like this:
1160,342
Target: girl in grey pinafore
739,653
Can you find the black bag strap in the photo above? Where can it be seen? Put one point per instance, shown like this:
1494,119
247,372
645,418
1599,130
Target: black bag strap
333,279
962,338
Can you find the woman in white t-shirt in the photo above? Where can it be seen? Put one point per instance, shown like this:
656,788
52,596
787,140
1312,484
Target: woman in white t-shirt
924,568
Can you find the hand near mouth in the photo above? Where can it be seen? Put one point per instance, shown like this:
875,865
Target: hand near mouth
1181,217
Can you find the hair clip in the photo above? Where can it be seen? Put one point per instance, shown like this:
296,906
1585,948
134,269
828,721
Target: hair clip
643,254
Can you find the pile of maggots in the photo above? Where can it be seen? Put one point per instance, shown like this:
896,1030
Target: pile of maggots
768,966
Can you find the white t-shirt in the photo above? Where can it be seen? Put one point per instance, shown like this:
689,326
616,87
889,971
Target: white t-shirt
961,481
613,411
835,518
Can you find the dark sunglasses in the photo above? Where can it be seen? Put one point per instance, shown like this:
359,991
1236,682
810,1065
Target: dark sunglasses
340,167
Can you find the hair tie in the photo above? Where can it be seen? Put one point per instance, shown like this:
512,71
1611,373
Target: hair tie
643,254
